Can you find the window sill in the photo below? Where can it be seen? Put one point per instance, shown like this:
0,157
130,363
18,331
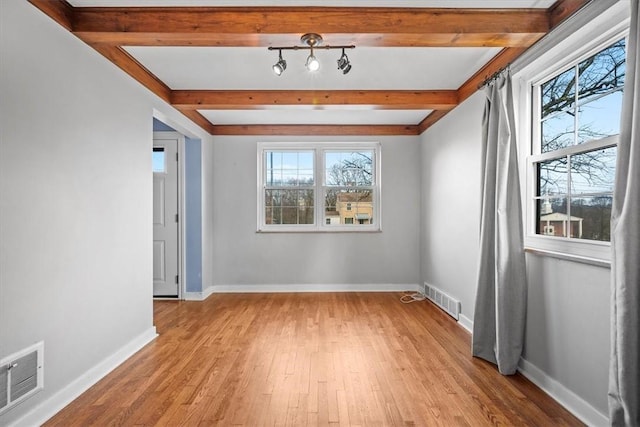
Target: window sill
320,230
569,257
577,250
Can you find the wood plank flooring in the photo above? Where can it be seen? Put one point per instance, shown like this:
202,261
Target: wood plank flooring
309,359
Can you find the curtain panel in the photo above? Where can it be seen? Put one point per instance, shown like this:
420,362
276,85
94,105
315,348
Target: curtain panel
501,298
624,369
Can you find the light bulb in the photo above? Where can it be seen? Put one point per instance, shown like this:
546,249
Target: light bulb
312,63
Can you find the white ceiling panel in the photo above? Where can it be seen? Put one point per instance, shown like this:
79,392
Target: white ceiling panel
334,115
326,3
247,68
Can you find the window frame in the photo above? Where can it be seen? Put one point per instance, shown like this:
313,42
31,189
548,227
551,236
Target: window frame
527,81
319,149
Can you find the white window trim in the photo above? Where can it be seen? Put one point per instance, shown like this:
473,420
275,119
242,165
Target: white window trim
568,51
319,178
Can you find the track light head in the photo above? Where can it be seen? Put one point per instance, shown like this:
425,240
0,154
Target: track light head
312,39
312,62
280,66
343,63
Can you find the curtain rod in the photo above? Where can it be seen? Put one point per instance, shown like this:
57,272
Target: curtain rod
494,76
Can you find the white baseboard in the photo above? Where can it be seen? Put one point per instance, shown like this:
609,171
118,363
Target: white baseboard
268,288
571,401
47,409
199,296
466,323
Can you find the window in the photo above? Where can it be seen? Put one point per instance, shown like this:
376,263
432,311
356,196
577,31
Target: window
575,131
318,187
158,160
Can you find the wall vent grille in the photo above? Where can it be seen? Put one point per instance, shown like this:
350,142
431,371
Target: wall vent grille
21,375
450,305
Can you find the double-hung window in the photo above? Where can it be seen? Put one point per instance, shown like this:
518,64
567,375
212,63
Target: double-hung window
575,131
319,187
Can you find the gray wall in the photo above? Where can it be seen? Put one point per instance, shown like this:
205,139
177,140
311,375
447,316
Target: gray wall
451,202
193,214
568,325
242,256
567,335
208,204
75,201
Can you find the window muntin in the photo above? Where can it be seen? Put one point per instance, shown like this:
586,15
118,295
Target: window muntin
579,120
318,187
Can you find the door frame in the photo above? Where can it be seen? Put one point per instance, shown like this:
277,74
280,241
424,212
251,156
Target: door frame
181,208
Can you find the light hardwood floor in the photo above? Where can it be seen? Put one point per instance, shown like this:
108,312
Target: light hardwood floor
309,359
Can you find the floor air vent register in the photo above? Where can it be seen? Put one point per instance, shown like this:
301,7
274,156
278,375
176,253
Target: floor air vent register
21,376
450,305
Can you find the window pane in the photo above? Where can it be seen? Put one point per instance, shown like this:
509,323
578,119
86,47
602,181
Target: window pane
591,217
348,207
347,168
602,72
558,132
600,117
158,160
553,177
289,206
552,217
593,171
288,168
558,94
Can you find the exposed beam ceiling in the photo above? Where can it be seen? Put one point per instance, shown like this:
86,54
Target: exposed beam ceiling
110,30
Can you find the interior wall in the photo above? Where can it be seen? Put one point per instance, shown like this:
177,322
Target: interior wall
241,256
567,335
209,201
75,204
451,202
193,214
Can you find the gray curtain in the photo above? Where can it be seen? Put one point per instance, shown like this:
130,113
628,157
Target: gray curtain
501,298
624,372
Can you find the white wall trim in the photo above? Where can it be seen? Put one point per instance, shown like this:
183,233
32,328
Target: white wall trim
199,296
273,288
51,406
466,323
571,401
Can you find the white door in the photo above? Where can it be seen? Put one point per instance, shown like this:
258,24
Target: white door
165,215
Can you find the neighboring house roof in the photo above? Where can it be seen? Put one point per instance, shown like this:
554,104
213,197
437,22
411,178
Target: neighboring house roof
557,216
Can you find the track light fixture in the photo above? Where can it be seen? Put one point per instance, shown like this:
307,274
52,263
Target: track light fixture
279,66
312,41
343,63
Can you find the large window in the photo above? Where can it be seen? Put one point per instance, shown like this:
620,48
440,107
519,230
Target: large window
319,187
576,123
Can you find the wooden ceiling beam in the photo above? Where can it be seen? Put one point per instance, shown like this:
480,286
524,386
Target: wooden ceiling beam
260,26
256,99
316,130
59,11
128,64
198,119
265,40
471,86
